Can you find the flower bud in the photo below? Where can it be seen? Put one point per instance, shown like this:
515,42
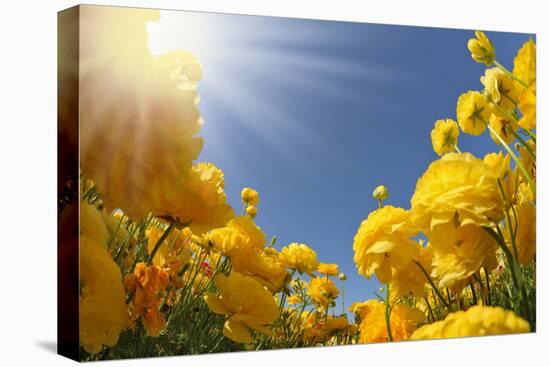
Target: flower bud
380,192
251,210
482,49
250,196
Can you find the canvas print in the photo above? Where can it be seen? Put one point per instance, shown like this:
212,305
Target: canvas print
245,183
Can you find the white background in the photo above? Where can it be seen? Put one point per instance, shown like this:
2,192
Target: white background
28,181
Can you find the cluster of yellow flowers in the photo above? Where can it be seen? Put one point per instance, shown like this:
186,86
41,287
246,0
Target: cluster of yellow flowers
161,249
477,214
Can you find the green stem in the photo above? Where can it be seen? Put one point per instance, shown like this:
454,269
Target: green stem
507,72
429,308
388,311
432,284
342,291
160,241
488,286
474,296
456,148
531,134
244,209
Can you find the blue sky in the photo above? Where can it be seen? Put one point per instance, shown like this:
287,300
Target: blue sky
315,114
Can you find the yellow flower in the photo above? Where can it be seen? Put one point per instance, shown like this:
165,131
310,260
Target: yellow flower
103,312
462,254
525,64
410,279
501,88
383,242
251,210
482,49
476,321
250,196
526,231
528,107
92,224
265,265
322,291
246,303
200,201
528,161
147,284
456,190
239,232
138,112
403,321
324,330
328,269
300,257
380,192
173,253
499,164
445,136
294,300
504,127
472,111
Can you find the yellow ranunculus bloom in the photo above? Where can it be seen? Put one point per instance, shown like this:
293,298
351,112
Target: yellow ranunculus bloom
328,269
322,291
498,163
445,136
525,64
265,265
462,254
476,321
528,161
456,190
383,242
300,257
247,304
380,192
526,231
103,311
403,321
250,196
500,87
504,127
482,49
239,232
174,252
528,107
410,279
138,113
200,201
472,111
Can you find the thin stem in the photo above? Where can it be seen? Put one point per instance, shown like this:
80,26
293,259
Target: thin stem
429,308
488,286
432,284
244,209
342,291
388,311
531,134
474,296
456,148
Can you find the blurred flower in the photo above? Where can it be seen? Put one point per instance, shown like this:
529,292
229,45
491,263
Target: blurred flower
525,64
328,269
294,300
472,110
383,242
410,279
138,113
482,49
322,291
528,107
200,201
173,253
103,313
250,196
476,321
92,223
246,303
300,257
526,231
445,136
